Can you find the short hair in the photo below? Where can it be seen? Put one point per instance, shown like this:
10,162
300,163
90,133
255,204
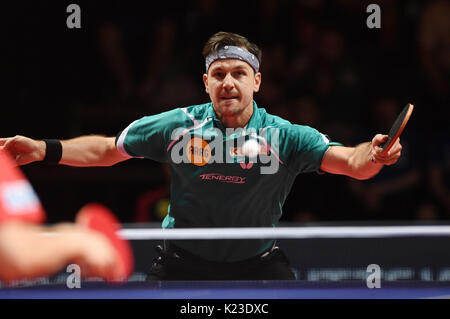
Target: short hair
221,39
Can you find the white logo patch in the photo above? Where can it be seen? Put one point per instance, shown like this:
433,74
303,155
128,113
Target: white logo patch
325,139
19,197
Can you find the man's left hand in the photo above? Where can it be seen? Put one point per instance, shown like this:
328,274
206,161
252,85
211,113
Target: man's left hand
378,156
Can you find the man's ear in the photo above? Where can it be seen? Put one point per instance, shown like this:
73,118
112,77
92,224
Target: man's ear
205,81
257,82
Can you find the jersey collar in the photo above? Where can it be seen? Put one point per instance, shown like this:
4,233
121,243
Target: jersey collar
253,123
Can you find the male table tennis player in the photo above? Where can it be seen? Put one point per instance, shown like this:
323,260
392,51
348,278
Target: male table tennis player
207,193
25,253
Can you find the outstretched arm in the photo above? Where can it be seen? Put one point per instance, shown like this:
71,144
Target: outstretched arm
92,150
361,162
26,253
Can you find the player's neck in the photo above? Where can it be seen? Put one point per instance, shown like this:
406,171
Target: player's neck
237,120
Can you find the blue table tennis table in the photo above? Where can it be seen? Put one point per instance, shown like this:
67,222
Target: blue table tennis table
232,290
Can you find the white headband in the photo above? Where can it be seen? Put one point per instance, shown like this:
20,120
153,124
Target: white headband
233,52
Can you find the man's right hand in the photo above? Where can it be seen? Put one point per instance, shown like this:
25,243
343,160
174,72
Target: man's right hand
24,150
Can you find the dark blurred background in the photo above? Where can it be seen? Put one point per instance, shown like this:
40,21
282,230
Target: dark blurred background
322,66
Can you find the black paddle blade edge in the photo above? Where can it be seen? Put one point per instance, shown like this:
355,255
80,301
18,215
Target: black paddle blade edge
396,126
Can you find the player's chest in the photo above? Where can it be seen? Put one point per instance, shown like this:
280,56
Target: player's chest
232,162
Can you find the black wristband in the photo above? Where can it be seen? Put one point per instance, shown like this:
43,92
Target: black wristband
53,151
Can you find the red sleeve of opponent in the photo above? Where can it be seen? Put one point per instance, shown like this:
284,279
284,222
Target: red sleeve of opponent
18,200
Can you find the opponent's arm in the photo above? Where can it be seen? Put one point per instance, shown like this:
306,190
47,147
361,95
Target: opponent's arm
92,150
361,162
26,253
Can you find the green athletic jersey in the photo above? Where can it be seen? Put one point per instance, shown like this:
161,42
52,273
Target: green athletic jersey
213,183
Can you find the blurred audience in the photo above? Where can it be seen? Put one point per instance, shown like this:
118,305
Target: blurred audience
438,175
153,205
395,193
433,45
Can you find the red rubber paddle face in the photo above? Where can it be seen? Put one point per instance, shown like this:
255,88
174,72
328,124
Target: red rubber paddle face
99,218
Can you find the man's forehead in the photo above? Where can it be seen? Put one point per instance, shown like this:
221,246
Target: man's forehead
229,64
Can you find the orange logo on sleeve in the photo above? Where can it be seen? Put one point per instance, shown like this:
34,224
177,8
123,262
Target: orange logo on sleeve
198,151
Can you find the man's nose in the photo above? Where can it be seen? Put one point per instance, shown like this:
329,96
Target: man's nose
228,82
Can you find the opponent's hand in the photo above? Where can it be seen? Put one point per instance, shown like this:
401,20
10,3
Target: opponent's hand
98,257
23,150
377,154
98,219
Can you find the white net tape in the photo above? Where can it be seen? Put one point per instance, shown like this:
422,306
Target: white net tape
285,232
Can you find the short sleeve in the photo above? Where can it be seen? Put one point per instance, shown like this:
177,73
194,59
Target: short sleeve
304,148
18,200
150,136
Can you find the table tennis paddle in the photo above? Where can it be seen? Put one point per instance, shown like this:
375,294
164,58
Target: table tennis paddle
99,218
397,128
